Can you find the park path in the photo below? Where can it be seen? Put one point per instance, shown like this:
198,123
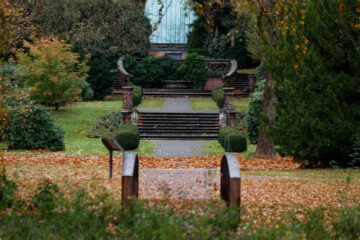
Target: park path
177,148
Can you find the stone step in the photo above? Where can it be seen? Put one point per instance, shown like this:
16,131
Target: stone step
184,125
147,90
171,119
163,125
175,114
182,131
178,122
176,127
177,136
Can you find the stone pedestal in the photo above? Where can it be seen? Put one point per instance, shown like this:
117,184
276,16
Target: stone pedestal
126,115
127,108
228,95
128,97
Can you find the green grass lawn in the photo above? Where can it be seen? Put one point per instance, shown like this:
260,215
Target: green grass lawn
77,120
215,148
240,104
247,71
152,103
80,118
203,104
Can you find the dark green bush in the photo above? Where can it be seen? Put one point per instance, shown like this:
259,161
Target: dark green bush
218,96
128,136
232,139
130,63
150,72
318,110
255,107
107,126
137,97
87,93
100,76
33,128
7,192
195,70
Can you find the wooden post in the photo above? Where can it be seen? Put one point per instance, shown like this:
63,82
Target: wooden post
230,180
130,178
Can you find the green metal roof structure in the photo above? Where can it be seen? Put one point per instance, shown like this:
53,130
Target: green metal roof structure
175,22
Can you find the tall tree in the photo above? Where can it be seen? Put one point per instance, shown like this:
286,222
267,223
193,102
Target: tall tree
317,69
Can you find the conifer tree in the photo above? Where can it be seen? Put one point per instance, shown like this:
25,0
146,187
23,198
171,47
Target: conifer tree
317,69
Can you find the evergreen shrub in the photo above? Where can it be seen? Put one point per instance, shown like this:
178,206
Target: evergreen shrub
87,93
195,70
150,72
33,128
318,109
235,137
218,96
128,136
137,97
100,76
253,115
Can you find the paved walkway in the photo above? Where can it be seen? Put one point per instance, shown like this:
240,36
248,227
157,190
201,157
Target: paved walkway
177,148
176,105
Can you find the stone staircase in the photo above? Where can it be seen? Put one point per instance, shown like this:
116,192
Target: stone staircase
190,93
168,125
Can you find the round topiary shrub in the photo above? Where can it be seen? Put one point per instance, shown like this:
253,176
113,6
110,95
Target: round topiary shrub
232,139
218,96
33,128
137,97
129,140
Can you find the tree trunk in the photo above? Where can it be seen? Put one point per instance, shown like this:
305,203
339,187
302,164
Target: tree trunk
265,144
57,106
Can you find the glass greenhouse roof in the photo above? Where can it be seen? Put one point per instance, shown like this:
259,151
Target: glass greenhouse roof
175,23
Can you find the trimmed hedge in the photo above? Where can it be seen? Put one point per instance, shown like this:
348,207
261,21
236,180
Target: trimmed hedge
138,93
33,128
218,96
128,136
238,142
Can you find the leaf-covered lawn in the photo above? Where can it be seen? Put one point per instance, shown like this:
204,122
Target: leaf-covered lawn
265,198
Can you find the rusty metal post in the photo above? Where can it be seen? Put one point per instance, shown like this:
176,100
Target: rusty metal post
230,180
130,178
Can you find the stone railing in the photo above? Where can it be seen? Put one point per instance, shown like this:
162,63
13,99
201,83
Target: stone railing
219,70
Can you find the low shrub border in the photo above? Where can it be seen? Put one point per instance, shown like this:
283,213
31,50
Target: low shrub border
128,136
232,138
137,97
218,96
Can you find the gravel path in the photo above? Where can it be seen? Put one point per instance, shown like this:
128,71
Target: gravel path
181,105
178,148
